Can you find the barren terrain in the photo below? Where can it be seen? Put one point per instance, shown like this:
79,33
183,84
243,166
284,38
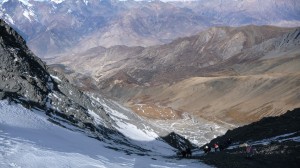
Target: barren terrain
231,76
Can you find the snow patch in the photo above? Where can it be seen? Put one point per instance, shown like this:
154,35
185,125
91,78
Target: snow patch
96,117
9,19
55,77
279,138
109,110
86,2
4,1
29,14
26,2
57,1
134,133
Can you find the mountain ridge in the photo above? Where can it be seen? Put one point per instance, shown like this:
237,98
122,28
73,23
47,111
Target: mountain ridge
214,46
55,28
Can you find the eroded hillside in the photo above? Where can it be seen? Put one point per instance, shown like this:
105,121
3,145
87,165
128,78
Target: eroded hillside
233,75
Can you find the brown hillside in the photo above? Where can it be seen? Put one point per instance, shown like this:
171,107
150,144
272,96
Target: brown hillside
234,75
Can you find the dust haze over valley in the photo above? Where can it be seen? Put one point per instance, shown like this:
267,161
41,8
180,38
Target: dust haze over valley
192,68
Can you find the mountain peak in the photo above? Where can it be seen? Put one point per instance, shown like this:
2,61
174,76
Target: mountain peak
10,36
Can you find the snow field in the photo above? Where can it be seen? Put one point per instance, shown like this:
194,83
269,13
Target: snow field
28,139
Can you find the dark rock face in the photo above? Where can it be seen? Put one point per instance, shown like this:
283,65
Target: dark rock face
265,128
276,140
22,73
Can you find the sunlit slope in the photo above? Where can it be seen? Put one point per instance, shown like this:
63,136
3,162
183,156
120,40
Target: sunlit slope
263,88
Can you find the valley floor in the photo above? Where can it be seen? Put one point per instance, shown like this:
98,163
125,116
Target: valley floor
28,139
198,131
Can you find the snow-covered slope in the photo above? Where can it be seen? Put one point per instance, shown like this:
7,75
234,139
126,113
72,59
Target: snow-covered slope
29,139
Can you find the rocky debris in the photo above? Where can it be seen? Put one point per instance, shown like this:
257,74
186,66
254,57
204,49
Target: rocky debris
275,140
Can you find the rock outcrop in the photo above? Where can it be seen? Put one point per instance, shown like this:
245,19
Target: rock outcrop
22,73
275,140
26,79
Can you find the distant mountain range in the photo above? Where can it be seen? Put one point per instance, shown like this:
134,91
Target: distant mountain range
220,74
54,27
